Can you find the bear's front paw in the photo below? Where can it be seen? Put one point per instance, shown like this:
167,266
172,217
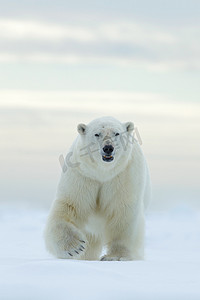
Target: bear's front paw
73,248
114,258
73,244
65,240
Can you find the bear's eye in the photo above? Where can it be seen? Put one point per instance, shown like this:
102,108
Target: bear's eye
116,133
96,134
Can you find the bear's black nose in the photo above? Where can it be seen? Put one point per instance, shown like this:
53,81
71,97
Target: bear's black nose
108,149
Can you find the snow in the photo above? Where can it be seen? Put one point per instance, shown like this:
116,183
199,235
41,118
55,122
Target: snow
171,269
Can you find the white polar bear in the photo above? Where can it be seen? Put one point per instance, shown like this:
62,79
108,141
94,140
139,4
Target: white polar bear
101,197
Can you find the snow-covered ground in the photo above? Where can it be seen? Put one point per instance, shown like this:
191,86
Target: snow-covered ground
171,269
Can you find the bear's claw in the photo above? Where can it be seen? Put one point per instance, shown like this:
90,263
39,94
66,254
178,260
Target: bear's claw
76,251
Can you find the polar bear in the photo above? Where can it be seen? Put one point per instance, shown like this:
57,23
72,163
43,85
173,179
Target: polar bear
101,196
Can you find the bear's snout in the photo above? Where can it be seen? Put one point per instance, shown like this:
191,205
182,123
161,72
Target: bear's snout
107,153
108,149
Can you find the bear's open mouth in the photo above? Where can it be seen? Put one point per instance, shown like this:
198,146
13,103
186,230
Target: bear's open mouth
107,158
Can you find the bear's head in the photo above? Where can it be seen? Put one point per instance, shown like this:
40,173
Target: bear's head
105,142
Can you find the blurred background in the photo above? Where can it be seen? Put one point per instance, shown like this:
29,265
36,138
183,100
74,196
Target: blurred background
66,62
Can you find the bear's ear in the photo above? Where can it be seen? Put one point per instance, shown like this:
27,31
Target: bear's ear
81,128
129,126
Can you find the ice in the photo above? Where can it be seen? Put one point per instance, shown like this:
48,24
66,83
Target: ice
171,269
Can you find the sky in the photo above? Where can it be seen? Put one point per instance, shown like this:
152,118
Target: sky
66,62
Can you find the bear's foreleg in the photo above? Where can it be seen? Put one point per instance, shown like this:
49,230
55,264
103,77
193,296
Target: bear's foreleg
125,239
63,238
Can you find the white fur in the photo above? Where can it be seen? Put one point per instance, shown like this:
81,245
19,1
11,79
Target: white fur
101,203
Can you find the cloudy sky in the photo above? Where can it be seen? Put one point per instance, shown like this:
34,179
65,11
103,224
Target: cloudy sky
65,62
